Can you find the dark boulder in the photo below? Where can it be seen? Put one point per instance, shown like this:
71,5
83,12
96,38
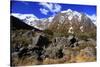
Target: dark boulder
72,41
40,41
38,52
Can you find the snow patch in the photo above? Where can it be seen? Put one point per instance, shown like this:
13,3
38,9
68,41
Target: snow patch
61,20
65,11
70,14
81,28
39,27
70,30
70,17
77,14
51,18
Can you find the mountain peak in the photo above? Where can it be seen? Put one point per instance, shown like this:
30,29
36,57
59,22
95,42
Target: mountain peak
70,18
70,13
66,11
70,21
69,10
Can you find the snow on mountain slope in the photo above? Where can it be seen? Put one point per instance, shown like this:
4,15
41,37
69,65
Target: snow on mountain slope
23,16
72,21
32,20
69,18
27,18
92,17
70,13
50,19
65,11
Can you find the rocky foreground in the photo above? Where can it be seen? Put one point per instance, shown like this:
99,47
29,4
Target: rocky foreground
34,48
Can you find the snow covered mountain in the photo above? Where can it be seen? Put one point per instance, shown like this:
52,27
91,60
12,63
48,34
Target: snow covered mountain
27,18
68,21
71,22
32,20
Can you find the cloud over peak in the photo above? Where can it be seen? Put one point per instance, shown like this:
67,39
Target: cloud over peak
51,7
44,11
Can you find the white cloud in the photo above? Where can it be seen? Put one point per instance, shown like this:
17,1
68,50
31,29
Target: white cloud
92,17
52,7
57,8
44,11
47,5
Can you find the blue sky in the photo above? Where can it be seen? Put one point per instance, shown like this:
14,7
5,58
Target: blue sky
43,10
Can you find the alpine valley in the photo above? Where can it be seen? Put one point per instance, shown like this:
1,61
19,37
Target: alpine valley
66,37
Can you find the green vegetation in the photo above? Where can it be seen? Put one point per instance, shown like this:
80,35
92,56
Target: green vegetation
85,36
22,37
48,32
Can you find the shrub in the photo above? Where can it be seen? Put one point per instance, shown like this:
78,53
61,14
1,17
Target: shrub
48,32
